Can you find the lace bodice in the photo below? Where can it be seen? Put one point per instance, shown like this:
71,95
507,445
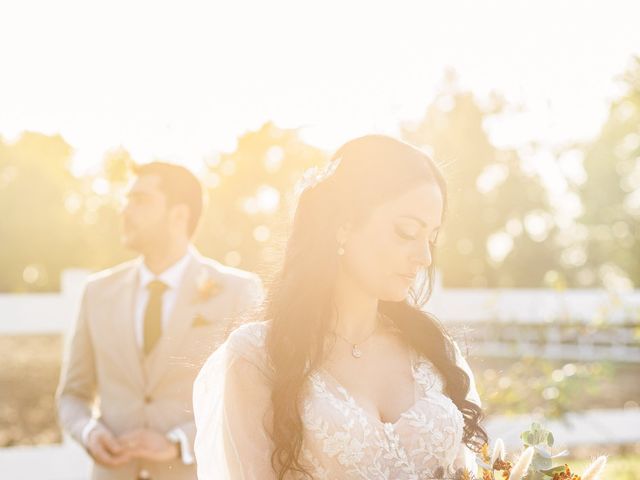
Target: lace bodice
341,440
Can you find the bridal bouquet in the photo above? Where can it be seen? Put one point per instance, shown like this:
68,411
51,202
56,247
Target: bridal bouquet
535,462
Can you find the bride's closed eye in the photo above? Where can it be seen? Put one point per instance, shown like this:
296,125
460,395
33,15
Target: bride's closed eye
407,235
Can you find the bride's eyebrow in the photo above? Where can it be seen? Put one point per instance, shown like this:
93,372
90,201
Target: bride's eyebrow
422,222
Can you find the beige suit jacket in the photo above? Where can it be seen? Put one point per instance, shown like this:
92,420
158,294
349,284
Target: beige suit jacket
102,361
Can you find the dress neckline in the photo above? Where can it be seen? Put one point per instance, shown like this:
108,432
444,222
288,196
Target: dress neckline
355,404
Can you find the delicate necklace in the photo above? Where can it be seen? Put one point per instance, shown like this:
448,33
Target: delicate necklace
355,347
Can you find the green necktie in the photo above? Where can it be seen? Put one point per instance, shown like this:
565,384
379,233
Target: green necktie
153,315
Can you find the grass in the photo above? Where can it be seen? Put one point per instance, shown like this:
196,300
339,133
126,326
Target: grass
619,467
28,379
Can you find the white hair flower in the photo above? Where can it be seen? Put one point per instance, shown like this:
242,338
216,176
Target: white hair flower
314,175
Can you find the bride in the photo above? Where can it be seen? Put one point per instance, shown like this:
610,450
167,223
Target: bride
346,377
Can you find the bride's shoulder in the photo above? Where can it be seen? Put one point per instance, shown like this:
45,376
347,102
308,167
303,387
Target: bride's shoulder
249,342
462,362
249,335
459,356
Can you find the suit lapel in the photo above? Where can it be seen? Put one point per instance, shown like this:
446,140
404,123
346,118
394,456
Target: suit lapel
123,316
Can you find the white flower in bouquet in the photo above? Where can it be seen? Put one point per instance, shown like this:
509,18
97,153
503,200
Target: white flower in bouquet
521,467
595,469
498,451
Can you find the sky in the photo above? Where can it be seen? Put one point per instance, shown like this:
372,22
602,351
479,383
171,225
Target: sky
182,80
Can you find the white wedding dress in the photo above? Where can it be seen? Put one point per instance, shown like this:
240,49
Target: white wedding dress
341,440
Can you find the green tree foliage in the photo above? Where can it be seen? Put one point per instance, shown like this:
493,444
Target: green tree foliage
611,193
250,196
40,234
500,230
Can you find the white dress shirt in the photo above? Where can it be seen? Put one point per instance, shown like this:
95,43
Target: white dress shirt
172,278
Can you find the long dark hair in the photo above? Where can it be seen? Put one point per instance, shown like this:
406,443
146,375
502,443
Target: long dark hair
363,173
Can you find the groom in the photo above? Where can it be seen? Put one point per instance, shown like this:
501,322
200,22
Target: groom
145,328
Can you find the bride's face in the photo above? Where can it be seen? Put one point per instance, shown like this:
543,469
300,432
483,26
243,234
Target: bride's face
384,253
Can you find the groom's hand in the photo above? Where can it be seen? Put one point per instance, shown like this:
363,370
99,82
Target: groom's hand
150,445
105,449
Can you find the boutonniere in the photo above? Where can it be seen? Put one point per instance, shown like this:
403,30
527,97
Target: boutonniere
200,321
207,287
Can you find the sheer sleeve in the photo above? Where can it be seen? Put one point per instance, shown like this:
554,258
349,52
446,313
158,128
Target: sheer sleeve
231,399
466,458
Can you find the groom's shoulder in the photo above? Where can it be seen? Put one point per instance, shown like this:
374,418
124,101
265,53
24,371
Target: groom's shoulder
226,272
112,274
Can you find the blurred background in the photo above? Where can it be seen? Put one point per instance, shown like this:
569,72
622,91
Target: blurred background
533,108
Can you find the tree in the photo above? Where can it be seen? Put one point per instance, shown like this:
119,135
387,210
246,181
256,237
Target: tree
39,229
611,192
250,196
498,228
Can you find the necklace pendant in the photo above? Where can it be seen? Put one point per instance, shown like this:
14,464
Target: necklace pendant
356,352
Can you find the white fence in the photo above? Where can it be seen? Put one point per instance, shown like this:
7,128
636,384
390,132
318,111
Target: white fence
37,313
502,322
50,313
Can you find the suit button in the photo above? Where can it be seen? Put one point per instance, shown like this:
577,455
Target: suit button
148,399
144,475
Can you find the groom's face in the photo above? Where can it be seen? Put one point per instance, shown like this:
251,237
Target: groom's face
145,219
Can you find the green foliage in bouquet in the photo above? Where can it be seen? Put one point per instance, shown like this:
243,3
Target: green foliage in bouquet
534,463
541,440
